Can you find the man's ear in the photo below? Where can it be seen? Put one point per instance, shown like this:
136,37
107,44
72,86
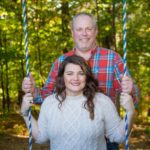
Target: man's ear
72,32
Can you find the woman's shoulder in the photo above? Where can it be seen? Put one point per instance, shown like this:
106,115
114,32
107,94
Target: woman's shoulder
102,99
100,95
51,99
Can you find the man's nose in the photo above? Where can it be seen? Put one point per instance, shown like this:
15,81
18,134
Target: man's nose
84,32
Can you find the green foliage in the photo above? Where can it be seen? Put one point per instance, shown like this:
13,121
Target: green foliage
49,35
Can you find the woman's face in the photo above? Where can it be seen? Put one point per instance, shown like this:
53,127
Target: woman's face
75,79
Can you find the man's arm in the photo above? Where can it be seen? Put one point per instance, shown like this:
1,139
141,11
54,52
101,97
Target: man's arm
124,83
28,85
48,88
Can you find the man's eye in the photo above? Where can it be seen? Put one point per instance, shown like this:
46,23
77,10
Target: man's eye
79,29
89,29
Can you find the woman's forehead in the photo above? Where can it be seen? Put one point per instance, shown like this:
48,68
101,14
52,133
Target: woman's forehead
72,67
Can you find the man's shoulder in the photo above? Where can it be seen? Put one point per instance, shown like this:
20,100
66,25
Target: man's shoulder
62,57
107,51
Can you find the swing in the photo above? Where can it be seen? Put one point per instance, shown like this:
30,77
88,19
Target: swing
27,67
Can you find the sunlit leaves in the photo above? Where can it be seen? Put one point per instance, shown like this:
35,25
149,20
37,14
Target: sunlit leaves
49,35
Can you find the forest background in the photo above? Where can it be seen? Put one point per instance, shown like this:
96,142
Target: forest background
49,36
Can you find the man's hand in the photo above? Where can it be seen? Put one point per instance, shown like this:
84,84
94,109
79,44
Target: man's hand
126,84
28,84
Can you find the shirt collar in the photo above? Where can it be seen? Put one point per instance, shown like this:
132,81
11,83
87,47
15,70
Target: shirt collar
93,51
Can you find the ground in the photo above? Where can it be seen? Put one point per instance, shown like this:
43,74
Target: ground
14,136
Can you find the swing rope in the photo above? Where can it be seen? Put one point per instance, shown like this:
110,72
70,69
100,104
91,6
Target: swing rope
125,67
27,67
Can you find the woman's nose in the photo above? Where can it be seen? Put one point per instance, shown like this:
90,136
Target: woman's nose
75,77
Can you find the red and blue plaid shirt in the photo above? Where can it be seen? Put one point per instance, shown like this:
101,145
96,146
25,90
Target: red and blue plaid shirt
106,65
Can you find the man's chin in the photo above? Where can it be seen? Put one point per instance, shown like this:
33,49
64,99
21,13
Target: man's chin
84,48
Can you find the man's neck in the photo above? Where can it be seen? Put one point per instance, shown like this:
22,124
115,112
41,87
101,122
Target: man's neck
85,54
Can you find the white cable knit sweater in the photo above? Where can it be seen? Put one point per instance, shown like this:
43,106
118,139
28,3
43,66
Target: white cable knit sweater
71,128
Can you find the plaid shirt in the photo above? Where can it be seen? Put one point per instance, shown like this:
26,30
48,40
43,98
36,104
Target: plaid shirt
107,66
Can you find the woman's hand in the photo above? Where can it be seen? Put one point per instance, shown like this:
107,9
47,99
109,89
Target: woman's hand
126,84
126,102
26,104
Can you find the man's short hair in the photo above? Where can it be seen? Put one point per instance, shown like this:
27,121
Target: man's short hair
94,20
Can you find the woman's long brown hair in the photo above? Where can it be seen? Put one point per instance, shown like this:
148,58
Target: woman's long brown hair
90,88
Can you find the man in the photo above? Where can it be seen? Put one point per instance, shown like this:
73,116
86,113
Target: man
106,65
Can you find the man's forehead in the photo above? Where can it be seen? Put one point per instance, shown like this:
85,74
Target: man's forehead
83,17
83,23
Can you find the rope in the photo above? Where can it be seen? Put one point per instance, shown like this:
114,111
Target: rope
125,68
27,67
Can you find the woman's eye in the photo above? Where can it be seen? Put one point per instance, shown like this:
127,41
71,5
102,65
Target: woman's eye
69,73
82,73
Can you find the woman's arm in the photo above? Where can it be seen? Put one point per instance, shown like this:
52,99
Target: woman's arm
126,102
34,126
26,104
114,125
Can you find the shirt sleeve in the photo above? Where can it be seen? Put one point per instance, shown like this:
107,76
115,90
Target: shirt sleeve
119,69
49,86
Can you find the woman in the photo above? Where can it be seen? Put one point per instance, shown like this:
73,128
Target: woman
77,117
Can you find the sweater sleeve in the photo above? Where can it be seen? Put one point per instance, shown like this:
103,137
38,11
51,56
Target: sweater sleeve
42,123
112,121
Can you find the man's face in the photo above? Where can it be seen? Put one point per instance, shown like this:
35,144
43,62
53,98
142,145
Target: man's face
84,33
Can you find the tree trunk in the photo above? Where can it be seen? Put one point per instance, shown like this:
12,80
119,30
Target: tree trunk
7,79
3,90
114,25
1,74
65,23
38,39
21,57
98,22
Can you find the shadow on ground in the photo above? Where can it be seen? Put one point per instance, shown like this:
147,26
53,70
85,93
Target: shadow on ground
8,142
14,135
